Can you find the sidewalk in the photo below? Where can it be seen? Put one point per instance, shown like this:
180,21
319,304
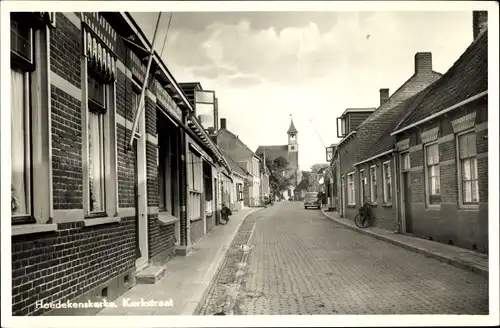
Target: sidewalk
188,278
459,257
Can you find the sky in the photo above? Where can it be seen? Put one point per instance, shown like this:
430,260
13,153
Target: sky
266,66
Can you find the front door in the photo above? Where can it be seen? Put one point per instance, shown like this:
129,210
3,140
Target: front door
342,197
217,205
407,202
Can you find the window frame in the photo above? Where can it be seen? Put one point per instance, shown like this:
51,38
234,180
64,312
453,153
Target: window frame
26,67
461,203
168,164
194,186
28,151
353,185
100,110
109,118
385,190
373,184
432,200
405,155
362,189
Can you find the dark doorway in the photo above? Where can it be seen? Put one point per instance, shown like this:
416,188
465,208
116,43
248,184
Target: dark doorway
407,201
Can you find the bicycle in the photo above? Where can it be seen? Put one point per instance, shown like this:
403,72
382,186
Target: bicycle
365,217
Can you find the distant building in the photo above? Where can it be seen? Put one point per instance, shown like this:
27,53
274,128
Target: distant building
231,144
291,153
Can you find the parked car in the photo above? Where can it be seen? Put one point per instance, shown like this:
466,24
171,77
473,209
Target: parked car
311,200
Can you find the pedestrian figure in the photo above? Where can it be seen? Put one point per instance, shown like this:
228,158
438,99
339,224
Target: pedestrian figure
225,212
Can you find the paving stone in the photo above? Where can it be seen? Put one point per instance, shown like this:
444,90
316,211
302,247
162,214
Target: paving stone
304,263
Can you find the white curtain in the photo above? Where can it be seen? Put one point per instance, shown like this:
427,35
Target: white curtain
96,162
19,144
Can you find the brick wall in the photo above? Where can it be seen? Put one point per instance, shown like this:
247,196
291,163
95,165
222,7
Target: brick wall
378,122
126,168
66,264
196,230
67,178
448,223
73,261
161,239
66,50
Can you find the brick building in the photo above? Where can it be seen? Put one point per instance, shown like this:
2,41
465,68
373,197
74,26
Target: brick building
363,174
97,213
442,145
245,158
421,159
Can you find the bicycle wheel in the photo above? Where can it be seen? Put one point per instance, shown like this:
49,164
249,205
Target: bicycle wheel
360,221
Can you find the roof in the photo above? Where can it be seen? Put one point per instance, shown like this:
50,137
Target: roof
235,137
234,166
273,152
303,185
466,78
292,128
359,110
386,142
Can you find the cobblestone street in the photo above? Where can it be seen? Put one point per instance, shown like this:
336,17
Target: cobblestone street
301,262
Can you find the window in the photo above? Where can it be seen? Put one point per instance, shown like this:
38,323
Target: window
468,176
207,179
195,172
21,65
240,192
432,173
96,160
373,184
362,186
387,186
168,149
405,161
20,143
350,189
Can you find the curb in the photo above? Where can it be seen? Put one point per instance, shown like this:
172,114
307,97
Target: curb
194,305
442,258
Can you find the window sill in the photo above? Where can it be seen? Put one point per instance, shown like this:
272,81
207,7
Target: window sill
195,220
351,205
208,215
103,220
25,229
373,204
167,219
387,205
470,208
433,207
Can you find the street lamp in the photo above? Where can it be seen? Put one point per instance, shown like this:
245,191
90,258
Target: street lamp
329,153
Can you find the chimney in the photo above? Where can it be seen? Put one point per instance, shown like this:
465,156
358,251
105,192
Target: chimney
479,22
384,95
423,62
223,123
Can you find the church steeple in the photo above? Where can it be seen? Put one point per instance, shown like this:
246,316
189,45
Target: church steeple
292,137
292,129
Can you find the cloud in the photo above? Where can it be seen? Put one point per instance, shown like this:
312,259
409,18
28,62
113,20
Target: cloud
213,72
266,66
243,81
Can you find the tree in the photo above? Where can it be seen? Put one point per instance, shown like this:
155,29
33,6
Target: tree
318,166
279,178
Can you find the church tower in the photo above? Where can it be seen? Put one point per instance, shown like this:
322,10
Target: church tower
293,152
293,146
